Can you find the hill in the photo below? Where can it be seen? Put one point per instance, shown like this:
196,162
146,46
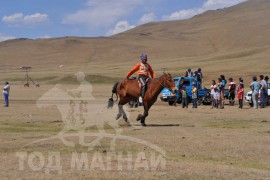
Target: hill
233,40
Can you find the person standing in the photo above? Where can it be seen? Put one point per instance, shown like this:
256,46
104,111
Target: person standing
6,93
213,91
263,91
240,95
222,90
220,98
184,97
241,81
266,79
194,96
189,73
268,87
232,88
216,95
178,92
255,87
199,77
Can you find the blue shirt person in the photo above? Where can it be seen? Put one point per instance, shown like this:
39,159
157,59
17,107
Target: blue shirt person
6,93
255,87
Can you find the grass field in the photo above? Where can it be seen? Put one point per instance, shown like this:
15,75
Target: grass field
199,144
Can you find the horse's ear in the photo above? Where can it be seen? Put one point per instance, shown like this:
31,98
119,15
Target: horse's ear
164,69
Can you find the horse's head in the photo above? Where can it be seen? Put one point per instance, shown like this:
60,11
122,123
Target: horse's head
168,82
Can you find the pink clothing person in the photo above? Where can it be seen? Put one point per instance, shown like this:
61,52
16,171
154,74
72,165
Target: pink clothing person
240,95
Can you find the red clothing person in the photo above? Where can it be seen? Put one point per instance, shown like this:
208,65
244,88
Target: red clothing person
240,95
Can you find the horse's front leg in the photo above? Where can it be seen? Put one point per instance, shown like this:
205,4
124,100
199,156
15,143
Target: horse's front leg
145,113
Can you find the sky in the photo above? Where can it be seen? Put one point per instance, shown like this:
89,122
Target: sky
92,18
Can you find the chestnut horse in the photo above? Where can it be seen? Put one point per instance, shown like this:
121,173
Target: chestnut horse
129,90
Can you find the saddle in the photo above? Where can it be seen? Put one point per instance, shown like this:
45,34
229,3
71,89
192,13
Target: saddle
139,83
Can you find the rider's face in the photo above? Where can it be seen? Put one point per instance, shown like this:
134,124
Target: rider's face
144,61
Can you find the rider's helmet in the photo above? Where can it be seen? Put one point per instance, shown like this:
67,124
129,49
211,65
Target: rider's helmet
144,57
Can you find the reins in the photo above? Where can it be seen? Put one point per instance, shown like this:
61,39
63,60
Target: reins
161,83
156,79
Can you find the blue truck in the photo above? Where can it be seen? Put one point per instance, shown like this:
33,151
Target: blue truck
203,94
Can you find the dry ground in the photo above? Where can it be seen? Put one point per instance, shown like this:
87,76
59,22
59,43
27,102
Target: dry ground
201,143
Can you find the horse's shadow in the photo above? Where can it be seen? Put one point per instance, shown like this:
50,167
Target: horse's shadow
157,125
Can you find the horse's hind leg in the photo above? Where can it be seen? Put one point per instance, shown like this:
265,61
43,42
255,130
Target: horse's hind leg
124,113
120,107
119,112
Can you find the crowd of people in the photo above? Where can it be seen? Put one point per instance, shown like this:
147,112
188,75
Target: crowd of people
259,90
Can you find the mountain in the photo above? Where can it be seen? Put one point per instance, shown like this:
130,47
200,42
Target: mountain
237,37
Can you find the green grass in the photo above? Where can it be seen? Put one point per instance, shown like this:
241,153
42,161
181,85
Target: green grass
95,79
69,79
100,79
28,127
47,78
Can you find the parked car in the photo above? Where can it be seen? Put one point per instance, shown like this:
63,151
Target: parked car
248,97
167,96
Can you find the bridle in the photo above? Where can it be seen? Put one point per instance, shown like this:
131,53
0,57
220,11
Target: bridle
163,84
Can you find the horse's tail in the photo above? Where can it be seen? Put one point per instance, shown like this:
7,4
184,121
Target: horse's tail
114,91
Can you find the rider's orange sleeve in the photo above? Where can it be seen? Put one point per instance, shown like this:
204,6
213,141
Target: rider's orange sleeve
153,75
132,71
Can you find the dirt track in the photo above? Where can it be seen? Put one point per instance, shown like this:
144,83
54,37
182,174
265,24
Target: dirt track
198,143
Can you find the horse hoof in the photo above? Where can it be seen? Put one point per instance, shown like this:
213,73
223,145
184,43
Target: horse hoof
126,119
143,124
139,117
118,116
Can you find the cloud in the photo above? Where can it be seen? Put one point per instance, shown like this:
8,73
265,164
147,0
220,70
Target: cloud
146,18
4,37
183,14
216,4
45,37
101,13
120,26
208,5
20,19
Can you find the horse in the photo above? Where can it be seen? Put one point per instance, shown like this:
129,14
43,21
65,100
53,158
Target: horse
129,90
